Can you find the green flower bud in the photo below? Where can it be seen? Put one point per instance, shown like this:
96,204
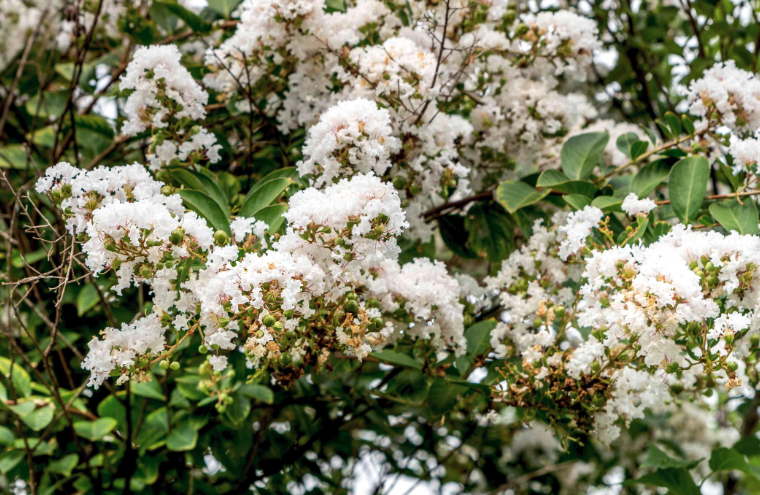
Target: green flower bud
146,271
676,388
278,326
167,190
268,320
521,29
285,359
351,306
203,349
732,366
176,236
221,238
399,182
559,311
164,364
174,366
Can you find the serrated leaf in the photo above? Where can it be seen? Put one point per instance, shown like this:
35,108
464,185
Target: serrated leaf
737,217
515,194
580,154
443,396
207,208
687,185
649,177
264,196
95,430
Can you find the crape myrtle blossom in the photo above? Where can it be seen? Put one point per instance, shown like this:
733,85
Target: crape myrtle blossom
641,303
634,206
339,253
164,96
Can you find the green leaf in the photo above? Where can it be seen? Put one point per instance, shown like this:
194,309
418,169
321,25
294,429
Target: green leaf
557,181
6,436
87,299
95,430
455,236
94,123
409,385
150,389
261,393
38,418
64,465
15,156
272,216
687,185
239,409
724,459
203,182
625,141
577,201
206,207
398,359
607,204
491,231
192,20
223,7
688,125
738,217
515,194
182,438
443,396
678,481
10,460
478,337
638,148
580,154
656,458
674,123
649,177
264,196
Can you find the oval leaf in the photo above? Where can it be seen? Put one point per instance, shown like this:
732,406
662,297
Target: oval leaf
687,186
580,154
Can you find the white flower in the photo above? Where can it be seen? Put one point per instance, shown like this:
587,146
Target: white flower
633,206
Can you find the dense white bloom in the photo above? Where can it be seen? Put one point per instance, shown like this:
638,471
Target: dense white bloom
745,153
633,206
121,348
731,92
577,228
353,136
163,87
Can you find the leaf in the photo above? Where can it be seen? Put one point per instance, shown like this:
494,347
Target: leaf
514,194
192,20
625,141
688,125
687,185
206,207
557,181
678,481
22,382
674,123
577,201
94,123
264,196
64,465
738,217
272,216
261,393
409,385
223,7
182,438
239,409
87,299
649,177
607,204
491,231
398,359
95,430
638,148
38,418
443,396
455,236
478,337
150,389
656,458
16,156
10,460
725,459
580,154
6,436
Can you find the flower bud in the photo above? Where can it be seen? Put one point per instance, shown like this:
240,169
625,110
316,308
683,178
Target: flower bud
221,238
268,320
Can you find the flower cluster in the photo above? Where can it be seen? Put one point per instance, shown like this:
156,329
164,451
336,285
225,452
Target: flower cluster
164,98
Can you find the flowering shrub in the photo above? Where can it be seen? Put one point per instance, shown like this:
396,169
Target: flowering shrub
379,247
